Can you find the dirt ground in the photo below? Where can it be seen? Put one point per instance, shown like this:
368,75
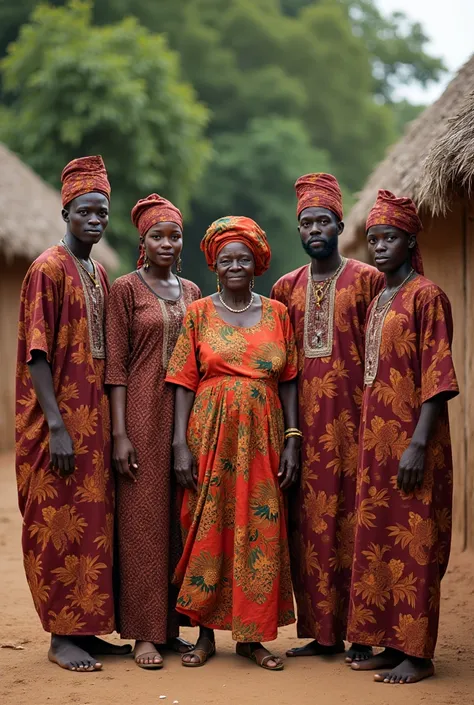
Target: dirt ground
26,676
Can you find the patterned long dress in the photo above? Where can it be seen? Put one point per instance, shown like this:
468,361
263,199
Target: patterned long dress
402,541
330,344
67,523
142,330
235,571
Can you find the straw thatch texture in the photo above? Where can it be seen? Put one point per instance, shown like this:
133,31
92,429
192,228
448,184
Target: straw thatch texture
435,156
449,166
30,214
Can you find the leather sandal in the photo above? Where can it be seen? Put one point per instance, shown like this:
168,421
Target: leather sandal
202,654
251,652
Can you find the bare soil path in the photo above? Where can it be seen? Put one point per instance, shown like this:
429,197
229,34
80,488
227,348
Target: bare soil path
27,678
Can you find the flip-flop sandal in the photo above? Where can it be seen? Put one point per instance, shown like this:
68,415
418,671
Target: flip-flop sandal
248,652
202,655
148,666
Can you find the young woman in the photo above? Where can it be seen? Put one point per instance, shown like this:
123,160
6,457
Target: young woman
405,470
145,314
235,367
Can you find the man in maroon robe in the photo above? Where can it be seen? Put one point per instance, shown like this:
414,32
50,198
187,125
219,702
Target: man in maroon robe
65,485
328,301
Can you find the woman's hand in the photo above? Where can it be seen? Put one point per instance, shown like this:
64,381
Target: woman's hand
184,466
289,463
411,469
61,451
124,458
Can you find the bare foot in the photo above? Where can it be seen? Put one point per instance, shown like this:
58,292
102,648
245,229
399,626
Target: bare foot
99,647
146,655
410,670
358,652
387,659
314,648
65,653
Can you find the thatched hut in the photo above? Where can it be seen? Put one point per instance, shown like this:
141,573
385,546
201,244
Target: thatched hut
434,165
30,222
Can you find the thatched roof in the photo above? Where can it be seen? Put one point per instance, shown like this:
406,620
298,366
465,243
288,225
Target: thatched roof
433,159
30,214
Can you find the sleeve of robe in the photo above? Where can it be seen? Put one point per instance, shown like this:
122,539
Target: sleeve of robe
436,335
39,311
280,291
291,368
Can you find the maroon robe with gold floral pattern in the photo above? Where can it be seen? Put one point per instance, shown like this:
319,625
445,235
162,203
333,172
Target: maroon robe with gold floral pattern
67,523
402,541
330,345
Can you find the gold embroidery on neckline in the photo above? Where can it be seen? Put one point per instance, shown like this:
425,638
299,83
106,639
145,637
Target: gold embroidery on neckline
373,339
172,323
94,299
319,322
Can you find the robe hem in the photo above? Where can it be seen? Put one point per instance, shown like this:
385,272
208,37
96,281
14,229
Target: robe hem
391,645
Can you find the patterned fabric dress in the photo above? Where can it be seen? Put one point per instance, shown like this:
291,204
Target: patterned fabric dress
321,513
235,571
67,523
142,330
402,541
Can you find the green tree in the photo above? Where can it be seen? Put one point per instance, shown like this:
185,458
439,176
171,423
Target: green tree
78,89
253,174
397,47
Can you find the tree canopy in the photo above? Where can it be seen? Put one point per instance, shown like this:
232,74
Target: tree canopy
219,104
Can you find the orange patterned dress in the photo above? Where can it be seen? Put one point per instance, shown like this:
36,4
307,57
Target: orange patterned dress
235,571
67,523
402,541
330,344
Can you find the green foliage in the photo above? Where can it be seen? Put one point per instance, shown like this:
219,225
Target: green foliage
289,85
397,47
116,91
253,174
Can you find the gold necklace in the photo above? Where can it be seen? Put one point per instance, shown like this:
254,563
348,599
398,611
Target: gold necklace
91,275
400,286
320,289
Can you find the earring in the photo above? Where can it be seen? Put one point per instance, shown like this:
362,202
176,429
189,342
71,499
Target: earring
252,284
146,264
179,263
218,284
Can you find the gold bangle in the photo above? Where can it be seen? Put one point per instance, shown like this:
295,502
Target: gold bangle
296,430
293,435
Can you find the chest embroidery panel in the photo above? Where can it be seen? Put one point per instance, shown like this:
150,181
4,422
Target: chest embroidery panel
319,320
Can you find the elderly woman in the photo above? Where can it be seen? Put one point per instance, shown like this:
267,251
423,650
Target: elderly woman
145,314
235,367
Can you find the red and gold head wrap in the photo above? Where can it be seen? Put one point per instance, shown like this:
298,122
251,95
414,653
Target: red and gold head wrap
84,175
401,213
319,191
148,212
237,229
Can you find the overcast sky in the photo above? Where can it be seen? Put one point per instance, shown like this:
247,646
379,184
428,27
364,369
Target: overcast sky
450,26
